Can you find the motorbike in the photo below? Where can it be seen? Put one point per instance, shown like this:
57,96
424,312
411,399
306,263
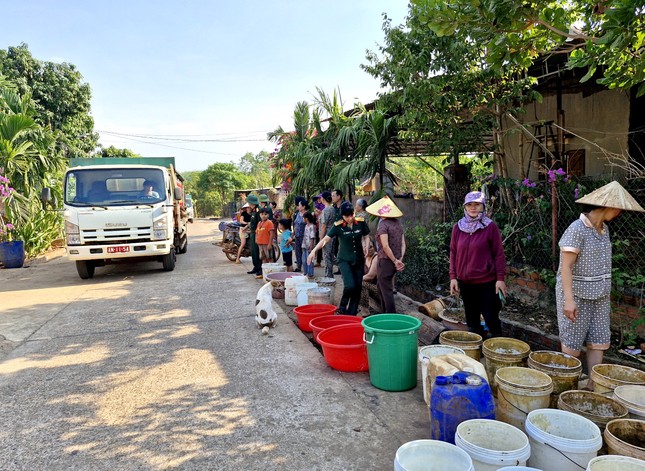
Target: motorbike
231,242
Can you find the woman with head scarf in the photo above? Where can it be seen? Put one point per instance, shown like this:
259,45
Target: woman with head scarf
478,266
389,235
583,282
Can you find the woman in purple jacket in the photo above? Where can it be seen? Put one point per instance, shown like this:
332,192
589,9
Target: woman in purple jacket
478,266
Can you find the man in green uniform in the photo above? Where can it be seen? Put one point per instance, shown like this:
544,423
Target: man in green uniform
255,251
351,259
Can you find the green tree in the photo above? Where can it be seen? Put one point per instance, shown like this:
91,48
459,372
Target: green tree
605,36
115,152
28,160
62,100
257,169
216,185
371,136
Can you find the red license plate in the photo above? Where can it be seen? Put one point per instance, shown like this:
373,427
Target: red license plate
118,249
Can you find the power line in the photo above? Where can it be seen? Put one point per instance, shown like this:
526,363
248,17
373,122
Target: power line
179,139
180,148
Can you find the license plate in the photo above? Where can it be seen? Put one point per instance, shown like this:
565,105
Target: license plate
118,249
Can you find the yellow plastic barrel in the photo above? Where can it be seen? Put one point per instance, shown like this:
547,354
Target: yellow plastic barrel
469,342
520,391
563,369
501,352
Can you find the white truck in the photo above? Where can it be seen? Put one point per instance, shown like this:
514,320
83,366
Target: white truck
123,210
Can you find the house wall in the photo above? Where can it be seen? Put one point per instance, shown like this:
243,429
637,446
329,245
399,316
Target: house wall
601,118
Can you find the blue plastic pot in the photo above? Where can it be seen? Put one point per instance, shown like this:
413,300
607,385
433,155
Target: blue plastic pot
12,254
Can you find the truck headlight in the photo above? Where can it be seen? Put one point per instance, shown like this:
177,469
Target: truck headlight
73,234
159,228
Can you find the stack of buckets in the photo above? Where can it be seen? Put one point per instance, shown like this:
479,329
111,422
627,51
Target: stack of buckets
527,431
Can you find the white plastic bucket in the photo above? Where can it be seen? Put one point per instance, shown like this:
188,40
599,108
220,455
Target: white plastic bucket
492,444
290,294
301,292
268,268
632,396
518,468
615,463
425,353
431,455
561,440
319,296
519,391
330,283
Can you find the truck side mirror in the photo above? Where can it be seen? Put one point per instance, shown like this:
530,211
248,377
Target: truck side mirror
179,193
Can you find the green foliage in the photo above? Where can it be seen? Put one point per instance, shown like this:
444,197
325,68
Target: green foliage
29,162
608,36
39,231
256,169
116,152
214,187
427,255
61,99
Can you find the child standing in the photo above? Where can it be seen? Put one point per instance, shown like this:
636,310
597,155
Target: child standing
286,242
264,235
308,243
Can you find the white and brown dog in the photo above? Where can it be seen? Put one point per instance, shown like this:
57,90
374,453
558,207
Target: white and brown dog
265,315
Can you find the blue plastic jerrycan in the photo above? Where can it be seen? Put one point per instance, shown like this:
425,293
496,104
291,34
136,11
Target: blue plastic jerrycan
456,398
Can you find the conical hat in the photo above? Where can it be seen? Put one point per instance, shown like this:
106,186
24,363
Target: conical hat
612,195
384,208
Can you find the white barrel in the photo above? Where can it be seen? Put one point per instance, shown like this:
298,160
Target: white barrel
427,352
301,292
290,293
615,463
492,444
431,455
561,440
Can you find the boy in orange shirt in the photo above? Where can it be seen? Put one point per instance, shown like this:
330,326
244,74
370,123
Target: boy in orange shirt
264,235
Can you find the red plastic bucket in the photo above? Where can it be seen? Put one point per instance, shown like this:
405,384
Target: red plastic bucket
321,323
308,312
344,348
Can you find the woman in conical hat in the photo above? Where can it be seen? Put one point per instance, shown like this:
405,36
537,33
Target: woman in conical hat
389,235
583,282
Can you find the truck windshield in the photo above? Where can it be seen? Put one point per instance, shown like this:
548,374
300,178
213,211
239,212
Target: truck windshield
114,187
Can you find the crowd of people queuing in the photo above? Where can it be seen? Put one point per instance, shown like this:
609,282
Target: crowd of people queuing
329,232
335,232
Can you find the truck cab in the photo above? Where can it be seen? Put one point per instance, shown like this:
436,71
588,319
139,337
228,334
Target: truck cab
123,210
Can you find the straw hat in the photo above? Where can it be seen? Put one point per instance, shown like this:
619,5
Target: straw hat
384,208
246,205
612,195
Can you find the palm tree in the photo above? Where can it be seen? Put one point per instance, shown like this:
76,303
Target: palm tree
370,138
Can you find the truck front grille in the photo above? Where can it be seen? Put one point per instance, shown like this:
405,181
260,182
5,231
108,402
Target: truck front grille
122,235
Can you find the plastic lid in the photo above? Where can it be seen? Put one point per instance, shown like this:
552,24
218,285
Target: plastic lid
441,380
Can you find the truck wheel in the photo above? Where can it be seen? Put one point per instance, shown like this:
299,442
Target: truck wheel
168,261
85,269
183,245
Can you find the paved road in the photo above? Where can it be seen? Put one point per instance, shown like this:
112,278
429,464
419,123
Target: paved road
150,370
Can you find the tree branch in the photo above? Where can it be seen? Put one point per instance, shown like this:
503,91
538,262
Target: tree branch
562,33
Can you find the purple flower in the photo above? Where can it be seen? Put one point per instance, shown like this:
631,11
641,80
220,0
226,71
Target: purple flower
576,192
529,237
528,183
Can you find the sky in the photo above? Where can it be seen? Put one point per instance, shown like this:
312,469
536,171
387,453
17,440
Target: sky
165,75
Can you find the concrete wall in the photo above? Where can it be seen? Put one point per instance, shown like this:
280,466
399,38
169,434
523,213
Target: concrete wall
416,212
601,118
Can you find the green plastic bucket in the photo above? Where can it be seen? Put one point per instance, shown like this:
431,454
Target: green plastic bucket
392,347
